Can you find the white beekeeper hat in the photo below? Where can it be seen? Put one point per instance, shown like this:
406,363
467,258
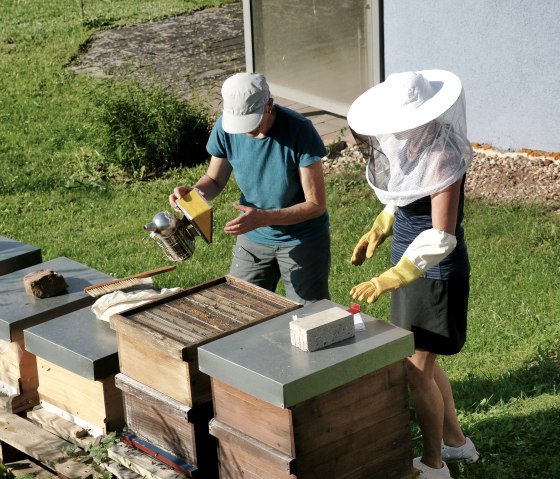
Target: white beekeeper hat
404,101
245,96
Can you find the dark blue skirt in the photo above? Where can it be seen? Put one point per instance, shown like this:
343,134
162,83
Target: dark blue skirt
435,311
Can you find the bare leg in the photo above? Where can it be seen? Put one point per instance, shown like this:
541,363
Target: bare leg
428,403
452,433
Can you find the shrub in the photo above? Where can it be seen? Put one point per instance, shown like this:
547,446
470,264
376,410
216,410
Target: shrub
146,131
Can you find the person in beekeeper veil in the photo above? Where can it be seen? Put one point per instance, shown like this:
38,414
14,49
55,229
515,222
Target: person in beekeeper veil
412,129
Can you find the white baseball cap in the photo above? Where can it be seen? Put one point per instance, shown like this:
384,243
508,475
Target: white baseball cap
245,95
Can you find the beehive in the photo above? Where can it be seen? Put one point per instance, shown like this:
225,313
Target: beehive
341,411
77,362
167,399
15,255
19,310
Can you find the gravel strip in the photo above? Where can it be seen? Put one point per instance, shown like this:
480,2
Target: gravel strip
494,176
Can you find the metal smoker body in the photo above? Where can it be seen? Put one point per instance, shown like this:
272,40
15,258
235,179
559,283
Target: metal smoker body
176,236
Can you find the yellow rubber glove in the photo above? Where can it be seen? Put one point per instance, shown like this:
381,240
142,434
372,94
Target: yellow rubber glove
381,229
403,273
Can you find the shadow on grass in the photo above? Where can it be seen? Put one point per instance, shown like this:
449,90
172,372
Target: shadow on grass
515,447
540,375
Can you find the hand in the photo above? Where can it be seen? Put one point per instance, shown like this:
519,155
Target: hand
178,192
382,227
252,218
366,291
405,272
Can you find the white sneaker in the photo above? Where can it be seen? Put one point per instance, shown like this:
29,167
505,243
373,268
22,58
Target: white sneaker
426,472
467,452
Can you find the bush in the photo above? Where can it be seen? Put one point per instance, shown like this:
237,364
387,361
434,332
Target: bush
146,131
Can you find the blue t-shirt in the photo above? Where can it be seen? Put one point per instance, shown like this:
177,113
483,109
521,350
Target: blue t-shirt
412,219
267,172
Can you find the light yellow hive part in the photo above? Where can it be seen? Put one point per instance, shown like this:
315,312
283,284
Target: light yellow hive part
198,211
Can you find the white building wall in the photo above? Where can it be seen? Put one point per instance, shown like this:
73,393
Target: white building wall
507,54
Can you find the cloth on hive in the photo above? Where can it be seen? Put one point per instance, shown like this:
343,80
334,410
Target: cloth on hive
120,301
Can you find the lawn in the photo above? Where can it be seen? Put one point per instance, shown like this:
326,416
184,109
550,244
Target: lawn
507,378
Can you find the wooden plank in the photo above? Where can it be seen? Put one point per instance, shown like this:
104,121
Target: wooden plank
18,371
141,463
241,455
170,376
152,397
164,422
259,304
121,472
126,326
165,431
61,427
346,423
271,426
97,402
367,452
28,468
42,445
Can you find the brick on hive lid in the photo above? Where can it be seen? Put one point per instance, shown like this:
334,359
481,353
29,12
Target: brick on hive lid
322,329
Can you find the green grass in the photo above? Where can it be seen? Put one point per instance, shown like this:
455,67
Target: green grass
507,378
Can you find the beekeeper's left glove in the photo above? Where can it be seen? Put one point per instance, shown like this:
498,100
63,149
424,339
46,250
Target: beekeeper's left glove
428,249
382,228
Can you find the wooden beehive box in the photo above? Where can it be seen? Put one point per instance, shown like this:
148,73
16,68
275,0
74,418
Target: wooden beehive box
20,310
77,362
158,342
15,255
283,413
168,425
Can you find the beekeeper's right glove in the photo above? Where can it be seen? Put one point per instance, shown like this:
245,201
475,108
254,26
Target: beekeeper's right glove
381,229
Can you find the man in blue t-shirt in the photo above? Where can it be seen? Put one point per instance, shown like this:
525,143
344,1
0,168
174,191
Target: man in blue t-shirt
275,155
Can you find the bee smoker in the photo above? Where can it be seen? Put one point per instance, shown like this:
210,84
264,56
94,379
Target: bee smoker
175,236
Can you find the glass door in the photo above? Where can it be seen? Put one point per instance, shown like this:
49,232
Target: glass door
323,53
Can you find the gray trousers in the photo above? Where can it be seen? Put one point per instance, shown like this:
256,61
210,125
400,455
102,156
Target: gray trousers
303,268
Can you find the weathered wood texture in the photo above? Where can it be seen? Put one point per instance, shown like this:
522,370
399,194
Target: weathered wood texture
64,429
99,402
18,371
29,469
359,430
41,445
141,464
158,342
170,425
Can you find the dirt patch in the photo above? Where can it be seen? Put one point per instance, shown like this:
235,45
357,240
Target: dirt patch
188,53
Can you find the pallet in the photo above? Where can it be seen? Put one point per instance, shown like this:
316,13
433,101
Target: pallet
28,468
18,435
36,446
142,464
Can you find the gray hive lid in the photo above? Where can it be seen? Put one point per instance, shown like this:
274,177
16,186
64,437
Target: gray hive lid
20,310
262,362
15,255
77,342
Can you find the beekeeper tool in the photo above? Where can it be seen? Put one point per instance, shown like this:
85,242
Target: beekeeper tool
120,284
176,236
